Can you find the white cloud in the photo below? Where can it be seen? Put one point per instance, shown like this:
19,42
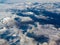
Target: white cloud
24,19
42,17
2,30
8,18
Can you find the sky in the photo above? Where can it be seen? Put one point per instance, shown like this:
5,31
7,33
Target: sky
14,1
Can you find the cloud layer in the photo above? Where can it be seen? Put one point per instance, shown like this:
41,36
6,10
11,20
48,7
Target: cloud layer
30,23
15,1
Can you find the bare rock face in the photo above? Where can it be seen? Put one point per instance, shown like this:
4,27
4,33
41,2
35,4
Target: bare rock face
3,42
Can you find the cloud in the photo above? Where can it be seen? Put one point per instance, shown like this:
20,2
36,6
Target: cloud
13,25
15,1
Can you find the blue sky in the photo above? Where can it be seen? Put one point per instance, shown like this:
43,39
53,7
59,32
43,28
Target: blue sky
14,1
